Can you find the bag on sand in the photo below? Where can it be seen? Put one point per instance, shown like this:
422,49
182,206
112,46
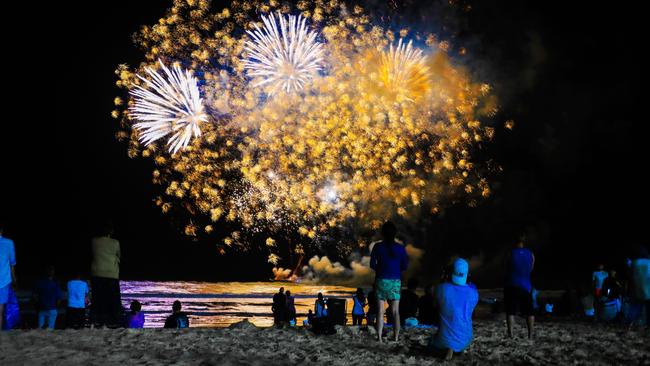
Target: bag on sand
12,311
322,326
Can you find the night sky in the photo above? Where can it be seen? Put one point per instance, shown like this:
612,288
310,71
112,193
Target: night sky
574,166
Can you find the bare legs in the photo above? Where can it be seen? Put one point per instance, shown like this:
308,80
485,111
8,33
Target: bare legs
380,318
530,324
396,320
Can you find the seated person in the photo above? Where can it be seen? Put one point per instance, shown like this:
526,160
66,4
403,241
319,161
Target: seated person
408,304
427,307
456,302
178,319
135,318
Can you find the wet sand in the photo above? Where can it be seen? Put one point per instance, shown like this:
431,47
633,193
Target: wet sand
557,342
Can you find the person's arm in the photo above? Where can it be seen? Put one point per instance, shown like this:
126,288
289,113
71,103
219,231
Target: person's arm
118,252
532,265
404,263
373,257
12,264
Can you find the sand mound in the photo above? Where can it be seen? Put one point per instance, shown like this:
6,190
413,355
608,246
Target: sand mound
244,324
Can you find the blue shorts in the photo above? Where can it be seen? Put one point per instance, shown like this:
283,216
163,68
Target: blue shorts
4,294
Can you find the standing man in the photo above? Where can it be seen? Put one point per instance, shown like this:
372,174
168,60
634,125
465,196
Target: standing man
105,281
388,258
7,271
517,292
279,307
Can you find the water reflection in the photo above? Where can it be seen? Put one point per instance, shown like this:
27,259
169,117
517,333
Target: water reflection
221,304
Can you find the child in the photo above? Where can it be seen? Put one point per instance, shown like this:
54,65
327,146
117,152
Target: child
357,309
178,320
47,294
135,319
77,300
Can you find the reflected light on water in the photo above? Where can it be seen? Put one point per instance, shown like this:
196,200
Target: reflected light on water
221,304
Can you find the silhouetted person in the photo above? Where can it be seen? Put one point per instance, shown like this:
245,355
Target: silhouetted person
426,307
388,258
7,271
135,318
612,286
518,288
597,279
358,302
291,307
178,319
456,301
408,304
105,271
320,311
279,307
371,315
75,314
47,295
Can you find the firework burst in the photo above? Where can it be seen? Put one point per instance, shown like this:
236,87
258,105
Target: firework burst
168,104
284,57
403,69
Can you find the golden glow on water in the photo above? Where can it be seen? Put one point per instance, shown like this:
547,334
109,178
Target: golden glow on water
224,303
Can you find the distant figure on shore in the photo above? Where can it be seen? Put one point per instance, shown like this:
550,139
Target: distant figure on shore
641,281
517,291
371,315
75,314
279,307
7,271
291,308
105,270
426,307
359,301
389,260
597,279
408,305
135,318
178,319
456,301
320,311
47,295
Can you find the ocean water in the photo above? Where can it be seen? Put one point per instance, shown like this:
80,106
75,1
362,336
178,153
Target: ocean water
223,303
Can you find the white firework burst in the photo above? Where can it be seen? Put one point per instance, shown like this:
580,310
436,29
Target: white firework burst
284,57
402,61
169,104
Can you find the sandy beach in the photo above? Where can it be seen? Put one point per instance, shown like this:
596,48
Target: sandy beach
244,344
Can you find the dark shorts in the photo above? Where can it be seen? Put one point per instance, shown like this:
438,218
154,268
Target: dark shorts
517,300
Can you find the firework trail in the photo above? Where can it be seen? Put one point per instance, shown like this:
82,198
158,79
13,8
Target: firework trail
285,57
389,131
168,105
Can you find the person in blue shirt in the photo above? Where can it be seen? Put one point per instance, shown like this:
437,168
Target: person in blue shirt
388,258
48,295
517,292
359,301
597,279
7,271
456,301
75,315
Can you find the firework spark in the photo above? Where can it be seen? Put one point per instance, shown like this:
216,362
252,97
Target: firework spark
284,57
403,67
168,105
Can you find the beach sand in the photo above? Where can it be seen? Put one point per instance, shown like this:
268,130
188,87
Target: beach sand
557,342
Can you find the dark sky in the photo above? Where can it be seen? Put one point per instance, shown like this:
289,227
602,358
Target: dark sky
574,166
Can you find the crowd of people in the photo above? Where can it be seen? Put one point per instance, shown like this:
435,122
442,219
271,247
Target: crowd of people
449,305
96,305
